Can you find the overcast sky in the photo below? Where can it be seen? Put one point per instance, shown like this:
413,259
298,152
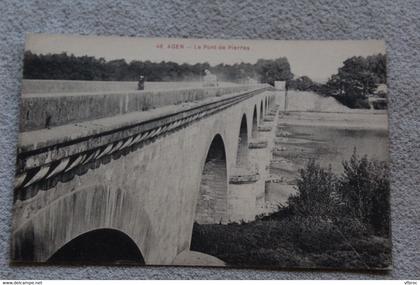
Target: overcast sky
316,59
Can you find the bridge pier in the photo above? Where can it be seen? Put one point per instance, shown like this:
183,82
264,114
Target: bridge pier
247,186
241,199
259,155
262,153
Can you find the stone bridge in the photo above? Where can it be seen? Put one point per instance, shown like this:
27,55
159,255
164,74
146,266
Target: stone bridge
138,168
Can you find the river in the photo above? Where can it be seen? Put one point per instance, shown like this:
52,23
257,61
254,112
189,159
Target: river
329,138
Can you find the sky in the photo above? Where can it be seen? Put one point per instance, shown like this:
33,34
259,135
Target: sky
316,59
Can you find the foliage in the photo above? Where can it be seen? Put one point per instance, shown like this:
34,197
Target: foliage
273,70
333,221
316,187
302,83
357,78
70,67
364,188
237,72
360,194
295,241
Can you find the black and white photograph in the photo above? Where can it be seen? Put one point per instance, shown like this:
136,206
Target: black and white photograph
203,152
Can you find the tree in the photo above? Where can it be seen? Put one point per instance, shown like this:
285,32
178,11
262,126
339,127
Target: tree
356,79
273,70
377,65
303,83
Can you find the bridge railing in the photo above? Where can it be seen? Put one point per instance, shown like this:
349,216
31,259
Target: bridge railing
39,111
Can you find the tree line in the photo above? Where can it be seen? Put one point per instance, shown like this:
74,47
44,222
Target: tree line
355,80
70,67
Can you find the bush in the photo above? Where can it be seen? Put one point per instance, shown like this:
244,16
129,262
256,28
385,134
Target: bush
364,188
316,189
357,201
349,226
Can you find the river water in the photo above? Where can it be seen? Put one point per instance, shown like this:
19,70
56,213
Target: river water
327,138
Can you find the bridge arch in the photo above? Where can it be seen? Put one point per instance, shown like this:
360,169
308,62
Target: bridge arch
212,198
261,112
242,152
99,246
254,131
65,220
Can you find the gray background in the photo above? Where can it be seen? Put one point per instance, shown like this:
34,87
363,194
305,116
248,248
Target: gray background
396,21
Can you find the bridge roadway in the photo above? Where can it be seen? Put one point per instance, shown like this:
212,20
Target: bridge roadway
141,164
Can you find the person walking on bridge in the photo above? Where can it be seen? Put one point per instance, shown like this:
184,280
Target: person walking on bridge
140,84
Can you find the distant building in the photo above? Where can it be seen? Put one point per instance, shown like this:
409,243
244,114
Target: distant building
252,81
280,85
378,100
209,79
381,88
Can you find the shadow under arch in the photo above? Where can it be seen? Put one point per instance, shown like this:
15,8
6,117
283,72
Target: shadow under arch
261,112
211,208
212,198
254,131
242,153
106,246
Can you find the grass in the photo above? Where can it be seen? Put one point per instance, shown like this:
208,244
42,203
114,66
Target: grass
291,242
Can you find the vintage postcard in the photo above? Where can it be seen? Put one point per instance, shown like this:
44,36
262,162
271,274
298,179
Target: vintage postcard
203,152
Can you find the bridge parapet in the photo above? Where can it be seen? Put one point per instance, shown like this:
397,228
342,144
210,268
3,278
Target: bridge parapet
40,111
